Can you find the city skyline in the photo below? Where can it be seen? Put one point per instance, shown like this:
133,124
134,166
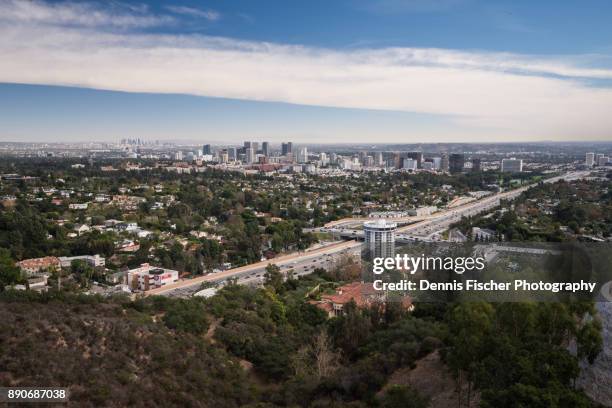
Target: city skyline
390,71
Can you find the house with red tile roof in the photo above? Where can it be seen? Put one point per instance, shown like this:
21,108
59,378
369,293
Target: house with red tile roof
35,265
363,294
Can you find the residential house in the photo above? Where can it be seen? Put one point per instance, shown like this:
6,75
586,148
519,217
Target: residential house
78,206
34,266
82,228
127,226
363,294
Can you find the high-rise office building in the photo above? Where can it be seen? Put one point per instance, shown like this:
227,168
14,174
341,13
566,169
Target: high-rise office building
444,163
512,165
286,148
476,165
255,146
597,157
456,162
178,155
603,160
380,238
207,149
409,164
397,161
303,155
418,156
265,149
590,159
232,153
363,157
428,165
437,163
323,159
250,155
378,159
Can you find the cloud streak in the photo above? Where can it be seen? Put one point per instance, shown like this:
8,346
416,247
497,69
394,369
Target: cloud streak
210,15
504,95
83,14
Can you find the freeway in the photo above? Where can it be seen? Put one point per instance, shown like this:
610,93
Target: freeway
422,228
300,262
345,222
442,220
426,228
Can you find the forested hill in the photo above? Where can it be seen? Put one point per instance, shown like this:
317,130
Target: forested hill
112,355
270,347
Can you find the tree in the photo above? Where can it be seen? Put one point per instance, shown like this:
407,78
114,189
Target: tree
516,353
187,316
398,396
590,340
469,324
317,360
346,268
351,330
273,278
83,271
326,359
9,273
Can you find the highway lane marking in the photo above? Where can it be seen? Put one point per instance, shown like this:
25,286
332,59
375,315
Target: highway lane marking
236,272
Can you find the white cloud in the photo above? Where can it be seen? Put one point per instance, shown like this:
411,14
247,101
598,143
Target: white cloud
194,12
84,14
502,95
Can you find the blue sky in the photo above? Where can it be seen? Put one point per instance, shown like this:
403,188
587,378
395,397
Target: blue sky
315,71
85,114
533,27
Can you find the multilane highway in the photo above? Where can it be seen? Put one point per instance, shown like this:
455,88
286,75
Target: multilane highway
422,228
426,227
301,262
444,219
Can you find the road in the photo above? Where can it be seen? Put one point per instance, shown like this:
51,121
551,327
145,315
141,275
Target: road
300,262
442,220
345,222
427,227
306,262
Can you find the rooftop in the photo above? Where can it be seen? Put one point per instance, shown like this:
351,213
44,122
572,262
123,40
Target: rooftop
381,223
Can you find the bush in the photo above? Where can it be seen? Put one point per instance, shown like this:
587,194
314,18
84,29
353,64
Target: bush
186,316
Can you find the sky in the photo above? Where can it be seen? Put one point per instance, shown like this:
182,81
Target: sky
313,71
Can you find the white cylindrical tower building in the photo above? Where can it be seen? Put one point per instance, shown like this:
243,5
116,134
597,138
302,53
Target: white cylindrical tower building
380,238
